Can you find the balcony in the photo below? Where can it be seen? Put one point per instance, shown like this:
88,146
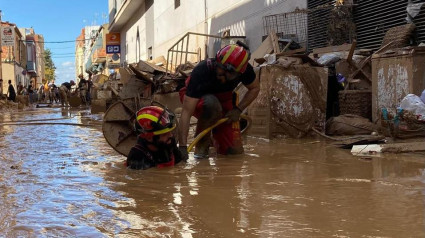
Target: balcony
121,15
99,56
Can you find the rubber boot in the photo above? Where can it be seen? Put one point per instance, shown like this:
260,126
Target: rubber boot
211,113
202,148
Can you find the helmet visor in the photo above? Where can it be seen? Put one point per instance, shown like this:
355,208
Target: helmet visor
165,123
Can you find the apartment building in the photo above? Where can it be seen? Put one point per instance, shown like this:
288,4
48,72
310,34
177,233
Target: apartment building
149,29
13,57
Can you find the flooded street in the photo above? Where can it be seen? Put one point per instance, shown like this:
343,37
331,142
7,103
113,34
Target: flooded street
64,180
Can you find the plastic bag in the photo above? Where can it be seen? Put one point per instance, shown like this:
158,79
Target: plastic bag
423,96
415,105
329,58
413,9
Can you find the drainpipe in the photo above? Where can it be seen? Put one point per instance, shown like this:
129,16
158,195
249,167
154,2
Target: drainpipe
1,67
206,28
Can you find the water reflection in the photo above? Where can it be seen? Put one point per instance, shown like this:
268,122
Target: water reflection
66,181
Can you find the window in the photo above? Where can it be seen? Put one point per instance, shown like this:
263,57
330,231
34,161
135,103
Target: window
150,53
176,4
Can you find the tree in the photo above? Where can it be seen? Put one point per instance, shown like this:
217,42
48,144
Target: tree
49,66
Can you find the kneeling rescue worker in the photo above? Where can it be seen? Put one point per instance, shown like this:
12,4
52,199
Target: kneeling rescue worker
209,96
156,145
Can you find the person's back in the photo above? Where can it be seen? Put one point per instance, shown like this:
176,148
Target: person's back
20,89
82,83
11,91
67,85
208,96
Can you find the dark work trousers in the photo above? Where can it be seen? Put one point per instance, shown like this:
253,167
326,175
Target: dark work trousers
227,136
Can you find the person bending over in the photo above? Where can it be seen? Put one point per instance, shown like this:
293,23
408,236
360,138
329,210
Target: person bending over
209,96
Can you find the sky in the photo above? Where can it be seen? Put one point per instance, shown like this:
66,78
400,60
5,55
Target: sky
57,20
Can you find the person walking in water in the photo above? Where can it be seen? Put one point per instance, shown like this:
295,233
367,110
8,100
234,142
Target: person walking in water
11,92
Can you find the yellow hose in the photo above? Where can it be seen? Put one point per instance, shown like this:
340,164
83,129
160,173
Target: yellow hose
206,131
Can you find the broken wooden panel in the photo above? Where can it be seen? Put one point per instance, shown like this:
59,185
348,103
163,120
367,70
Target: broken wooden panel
265,48
362,150
170,100
291,101
132,88
149,67
125,74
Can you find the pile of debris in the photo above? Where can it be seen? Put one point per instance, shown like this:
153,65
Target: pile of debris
157,79
7,106
142,79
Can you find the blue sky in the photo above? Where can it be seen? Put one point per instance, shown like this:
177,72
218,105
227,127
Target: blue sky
57,20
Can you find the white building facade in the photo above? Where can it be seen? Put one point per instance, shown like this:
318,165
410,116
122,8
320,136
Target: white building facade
148,29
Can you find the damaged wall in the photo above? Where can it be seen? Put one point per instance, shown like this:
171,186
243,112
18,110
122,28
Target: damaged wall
291,101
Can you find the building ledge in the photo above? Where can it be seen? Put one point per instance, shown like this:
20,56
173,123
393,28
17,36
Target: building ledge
124,13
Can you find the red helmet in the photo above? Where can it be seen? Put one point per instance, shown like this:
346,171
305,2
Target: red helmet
233,58
153,120
72,82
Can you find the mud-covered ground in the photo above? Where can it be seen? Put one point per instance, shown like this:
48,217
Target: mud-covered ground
63,180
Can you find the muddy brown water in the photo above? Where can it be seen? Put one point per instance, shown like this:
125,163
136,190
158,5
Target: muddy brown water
66,181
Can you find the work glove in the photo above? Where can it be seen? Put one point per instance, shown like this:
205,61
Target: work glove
183,152
234,114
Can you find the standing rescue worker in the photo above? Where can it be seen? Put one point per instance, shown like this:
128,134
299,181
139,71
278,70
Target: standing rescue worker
82,87
208,96
64,91
156,145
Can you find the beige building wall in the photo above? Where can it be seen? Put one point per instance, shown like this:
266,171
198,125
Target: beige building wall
8,70
14,62
162,25
79,61
40,60
79,54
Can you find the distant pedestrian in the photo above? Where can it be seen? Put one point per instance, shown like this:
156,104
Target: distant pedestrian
20,88
1,87
40,93
82,88
90,87
30,92
11,92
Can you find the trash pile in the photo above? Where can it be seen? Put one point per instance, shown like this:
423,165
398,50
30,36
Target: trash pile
7,106
409,119
146,77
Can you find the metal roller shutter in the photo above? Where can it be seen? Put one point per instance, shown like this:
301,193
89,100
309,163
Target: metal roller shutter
318,20
374,17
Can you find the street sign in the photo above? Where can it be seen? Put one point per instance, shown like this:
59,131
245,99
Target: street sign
115,57
113,39
7,36
111,49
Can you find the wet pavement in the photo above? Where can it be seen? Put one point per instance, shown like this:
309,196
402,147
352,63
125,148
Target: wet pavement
64,180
